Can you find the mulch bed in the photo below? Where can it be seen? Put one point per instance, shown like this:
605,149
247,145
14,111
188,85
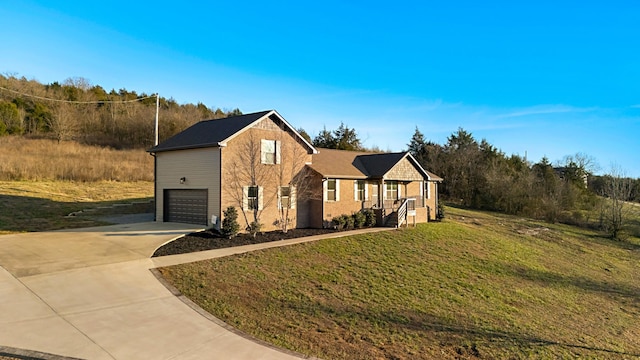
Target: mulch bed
211,239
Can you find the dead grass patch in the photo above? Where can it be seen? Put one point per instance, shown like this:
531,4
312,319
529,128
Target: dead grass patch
42,159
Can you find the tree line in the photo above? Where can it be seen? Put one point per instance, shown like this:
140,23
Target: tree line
77,110
478,175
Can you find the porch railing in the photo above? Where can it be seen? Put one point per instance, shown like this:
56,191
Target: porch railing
402,212
393,205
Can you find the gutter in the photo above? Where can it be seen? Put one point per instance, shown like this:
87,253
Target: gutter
155,186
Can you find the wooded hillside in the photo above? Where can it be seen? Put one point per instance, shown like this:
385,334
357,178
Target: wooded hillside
77,110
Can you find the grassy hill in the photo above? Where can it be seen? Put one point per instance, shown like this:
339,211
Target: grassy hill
478,285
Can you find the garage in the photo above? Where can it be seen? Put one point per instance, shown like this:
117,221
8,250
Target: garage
186,206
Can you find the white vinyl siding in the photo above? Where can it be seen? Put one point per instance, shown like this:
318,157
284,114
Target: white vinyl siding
201,170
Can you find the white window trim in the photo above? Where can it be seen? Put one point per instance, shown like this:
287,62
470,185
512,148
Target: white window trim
245,198
292,196
276,148
428,190
386,185
325,188
365,188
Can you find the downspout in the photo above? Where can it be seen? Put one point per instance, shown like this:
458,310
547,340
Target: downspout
437,198
221,212
322,201
155,187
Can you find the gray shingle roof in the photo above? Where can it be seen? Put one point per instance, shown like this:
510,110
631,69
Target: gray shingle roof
360,165
208,133
379,164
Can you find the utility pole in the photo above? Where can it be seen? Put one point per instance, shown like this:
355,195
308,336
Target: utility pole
157,110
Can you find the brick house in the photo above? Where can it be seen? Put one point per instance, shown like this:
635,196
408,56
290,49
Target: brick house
261,165
386,182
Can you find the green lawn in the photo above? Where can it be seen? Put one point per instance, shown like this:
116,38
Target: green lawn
476,285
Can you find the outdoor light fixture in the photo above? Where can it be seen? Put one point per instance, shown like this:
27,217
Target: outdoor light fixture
182,180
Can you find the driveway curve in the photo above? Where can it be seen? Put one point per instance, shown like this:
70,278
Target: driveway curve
88,293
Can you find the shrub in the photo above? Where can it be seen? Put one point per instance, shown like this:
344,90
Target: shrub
349,223
440,213
230,226
359,219
370,217
339,222
254,228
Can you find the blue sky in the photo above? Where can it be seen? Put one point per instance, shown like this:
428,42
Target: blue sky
547,78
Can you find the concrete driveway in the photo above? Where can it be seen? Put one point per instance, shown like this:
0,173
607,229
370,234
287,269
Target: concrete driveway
89,294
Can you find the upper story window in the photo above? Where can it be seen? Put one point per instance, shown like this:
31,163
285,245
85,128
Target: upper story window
270,151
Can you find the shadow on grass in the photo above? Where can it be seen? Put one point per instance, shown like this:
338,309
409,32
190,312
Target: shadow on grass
465,339
624,294
592,234
29,214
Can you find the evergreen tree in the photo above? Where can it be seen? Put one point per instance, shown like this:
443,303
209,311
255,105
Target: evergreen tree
346,138
417,143
230,226
343,138
325,139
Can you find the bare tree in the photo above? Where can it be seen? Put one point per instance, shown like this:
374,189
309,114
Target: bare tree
587,163
63,124
615,209
294,181
245,173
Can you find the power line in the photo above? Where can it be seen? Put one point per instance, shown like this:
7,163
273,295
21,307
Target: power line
78,102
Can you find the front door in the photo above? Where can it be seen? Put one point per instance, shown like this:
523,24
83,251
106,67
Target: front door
374,196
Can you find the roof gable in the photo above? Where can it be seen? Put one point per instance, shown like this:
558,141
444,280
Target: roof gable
378,165
216,132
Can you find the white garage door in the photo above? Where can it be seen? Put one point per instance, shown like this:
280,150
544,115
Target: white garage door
186,206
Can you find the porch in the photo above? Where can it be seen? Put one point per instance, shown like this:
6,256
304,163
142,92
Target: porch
396,213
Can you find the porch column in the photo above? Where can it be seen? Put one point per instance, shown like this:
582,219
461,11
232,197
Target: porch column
382,193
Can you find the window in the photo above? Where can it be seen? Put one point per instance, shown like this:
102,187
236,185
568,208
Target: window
428,186
252,198
332,192
286,197
360,190
270,151
391,190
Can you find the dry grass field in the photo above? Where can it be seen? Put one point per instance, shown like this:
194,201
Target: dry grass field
477,285
42,159
42,181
